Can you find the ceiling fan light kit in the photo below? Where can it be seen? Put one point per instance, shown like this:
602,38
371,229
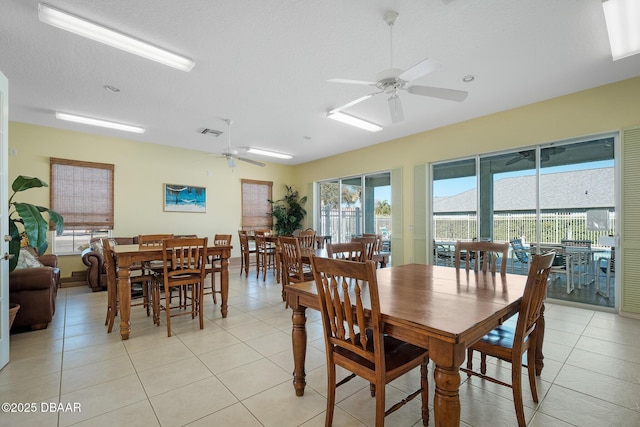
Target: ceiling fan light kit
91,30
623,26
98,122
393,80
354,121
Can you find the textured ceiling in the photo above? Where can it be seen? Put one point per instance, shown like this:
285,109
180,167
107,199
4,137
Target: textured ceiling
265,64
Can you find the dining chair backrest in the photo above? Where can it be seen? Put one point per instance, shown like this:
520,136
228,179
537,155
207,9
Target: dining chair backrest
369,244
519,251
345,288
378,237
535,292
152,240
184,259
222,240
307,238
576,243
292,259
354,251
483,255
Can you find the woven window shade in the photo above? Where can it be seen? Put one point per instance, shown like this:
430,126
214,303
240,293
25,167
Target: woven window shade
256,210
82,192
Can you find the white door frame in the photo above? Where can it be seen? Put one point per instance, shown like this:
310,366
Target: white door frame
4,221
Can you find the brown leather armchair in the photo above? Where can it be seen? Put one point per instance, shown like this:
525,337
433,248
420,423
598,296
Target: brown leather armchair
35,289
93,259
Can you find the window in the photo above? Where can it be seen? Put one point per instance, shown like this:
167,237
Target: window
82,192
256,210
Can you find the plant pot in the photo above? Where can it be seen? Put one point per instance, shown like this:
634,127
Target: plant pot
13,310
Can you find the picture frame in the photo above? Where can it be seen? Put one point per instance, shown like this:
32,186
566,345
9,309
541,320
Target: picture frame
185,198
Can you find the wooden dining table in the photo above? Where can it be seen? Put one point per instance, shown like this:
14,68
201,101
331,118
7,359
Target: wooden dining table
439,308
128,255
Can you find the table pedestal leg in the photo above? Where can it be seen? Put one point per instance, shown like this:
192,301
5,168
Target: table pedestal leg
446,400
124,301
299,339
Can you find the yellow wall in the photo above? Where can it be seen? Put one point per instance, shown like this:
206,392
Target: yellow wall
140,171
606,108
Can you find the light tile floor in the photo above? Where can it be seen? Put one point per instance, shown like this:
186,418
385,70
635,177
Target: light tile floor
237,371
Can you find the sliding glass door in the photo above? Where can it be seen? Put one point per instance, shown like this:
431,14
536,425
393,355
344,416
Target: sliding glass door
550,197
355,205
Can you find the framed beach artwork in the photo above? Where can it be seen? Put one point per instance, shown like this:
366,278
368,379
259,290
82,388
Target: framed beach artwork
184,198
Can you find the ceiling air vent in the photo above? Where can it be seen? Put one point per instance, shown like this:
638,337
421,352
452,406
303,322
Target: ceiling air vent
213,132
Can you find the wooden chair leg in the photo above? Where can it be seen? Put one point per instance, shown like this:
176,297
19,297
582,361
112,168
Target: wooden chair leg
469,361
424,384
331,394
380,401
516,384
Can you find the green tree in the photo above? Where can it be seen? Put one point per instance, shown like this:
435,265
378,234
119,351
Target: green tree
383,208
329,194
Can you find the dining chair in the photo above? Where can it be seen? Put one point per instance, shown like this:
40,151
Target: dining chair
307,238
265,254
137,279
214,264
445,253
293,269
354,338
184,267
578,253
519,253
608,267
480,255
378,237
510,343
369,243
152,241
245,252
353,251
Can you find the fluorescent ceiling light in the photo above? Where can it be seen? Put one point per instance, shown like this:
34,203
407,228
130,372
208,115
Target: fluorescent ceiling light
82,27
268,153
98,122
354,121
623,26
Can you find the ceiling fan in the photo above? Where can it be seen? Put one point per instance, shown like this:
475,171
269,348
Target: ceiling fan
232,154
545,155
394,80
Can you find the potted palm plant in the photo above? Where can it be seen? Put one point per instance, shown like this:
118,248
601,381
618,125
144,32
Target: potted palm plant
288,212
26,220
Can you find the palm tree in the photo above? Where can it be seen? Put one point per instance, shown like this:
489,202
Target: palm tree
383,208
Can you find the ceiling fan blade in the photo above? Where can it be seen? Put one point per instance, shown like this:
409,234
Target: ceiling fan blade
439,92
352,82
253,162
422,68
395,108
515,160
349,104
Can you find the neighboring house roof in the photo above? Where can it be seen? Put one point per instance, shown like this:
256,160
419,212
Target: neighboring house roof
583,189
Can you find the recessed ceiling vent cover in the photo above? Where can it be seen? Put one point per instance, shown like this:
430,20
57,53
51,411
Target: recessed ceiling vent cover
213,132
